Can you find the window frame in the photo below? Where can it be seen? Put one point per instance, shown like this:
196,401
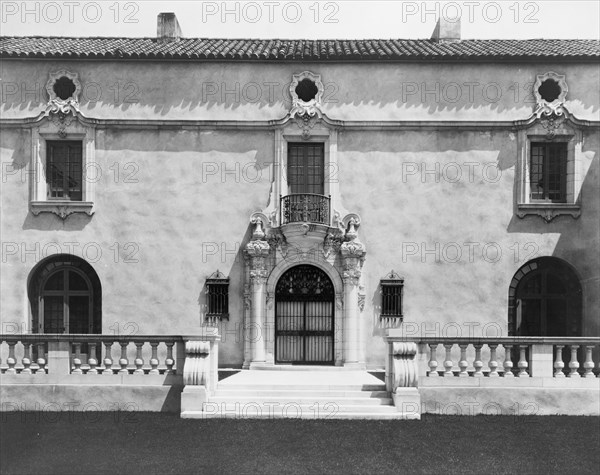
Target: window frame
548,210
39,201
546,172
50,144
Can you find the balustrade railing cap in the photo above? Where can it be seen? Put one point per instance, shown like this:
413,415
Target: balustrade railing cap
532,340
87,337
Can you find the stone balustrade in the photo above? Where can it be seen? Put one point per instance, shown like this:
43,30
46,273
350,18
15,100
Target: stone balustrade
502,357
91,355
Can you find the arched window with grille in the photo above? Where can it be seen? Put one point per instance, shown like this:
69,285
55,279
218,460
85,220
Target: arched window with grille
65,296
545,299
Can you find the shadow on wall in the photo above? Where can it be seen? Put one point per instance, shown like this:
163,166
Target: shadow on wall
191,85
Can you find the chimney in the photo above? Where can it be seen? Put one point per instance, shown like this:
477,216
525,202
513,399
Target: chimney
167,27
446,31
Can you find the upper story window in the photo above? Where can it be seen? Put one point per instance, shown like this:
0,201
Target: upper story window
306,201
548,172
306,168
64,173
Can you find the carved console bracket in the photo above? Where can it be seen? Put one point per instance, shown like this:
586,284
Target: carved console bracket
404,365
196,367
61,209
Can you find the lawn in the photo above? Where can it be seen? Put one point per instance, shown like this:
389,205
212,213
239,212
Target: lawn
89,443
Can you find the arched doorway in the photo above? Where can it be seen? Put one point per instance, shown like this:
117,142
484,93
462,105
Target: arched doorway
304,317
547,300
65,296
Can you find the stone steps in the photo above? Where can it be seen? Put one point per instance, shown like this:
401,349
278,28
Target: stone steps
299,394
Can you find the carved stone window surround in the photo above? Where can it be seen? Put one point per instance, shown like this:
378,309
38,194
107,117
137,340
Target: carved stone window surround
539,132
53,129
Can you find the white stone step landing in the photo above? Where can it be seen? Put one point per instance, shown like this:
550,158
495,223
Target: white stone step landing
299,394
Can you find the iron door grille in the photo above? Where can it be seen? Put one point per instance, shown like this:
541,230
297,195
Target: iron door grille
304,317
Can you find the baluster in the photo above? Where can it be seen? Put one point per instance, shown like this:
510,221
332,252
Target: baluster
108,362
478,364
493,364
139,361
92,361
589,362
26,358
123,361
41,362
574,364
508,364
169,361
11,360
448,364
558,362
523,364
154,358
433,364
77,359
463,364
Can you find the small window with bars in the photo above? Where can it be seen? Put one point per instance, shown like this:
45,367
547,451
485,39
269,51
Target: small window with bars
64,171
392,289
217,293
548,172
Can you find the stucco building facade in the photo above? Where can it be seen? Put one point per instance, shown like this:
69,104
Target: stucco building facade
341,189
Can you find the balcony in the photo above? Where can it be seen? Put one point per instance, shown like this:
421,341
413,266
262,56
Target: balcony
305,208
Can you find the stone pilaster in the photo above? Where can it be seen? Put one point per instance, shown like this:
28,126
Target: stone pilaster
353,254
257,250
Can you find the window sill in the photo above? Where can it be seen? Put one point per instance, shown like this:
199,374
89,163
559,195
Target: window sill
548,211
62,208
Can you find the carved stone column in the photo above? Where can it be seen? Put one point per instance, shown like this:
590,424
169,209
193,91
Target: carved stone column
353,254
257,250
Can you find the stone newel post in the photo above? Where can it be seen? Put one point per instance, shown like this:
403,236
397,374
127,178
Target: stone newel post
353,254
256,251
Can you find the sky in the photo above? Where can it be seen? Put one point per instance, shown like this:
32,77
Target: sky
308,19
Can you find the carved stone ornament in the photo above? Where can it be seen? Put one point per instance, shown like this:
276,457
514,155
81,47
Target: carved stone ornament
306,113
306,123
552,123
63,211
339,301
55,103
332,243
361,300
545,107
548,213
276,240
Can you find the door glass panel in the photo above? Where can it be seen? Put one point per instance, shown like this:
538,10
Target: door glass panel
556,317
79,314
55,282
77,282
554,284
53,314
530,318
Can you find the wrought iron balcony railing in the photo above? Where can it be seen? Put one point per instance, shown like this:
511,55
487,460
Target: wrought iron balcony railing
305,208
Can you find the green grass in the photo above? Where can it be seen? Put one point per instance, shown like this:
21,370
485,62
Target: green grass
76,443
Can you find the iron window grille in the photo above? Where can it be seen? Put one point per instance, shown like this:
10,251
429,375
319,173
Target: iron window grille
217,291
392,290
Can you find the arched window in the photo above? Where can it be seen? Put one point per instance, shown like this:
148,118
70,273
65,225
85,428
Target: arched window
545,299
65,296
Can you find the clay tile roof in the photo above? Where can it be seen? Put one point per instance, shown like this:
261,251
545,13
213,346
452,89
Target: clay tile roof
294,50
